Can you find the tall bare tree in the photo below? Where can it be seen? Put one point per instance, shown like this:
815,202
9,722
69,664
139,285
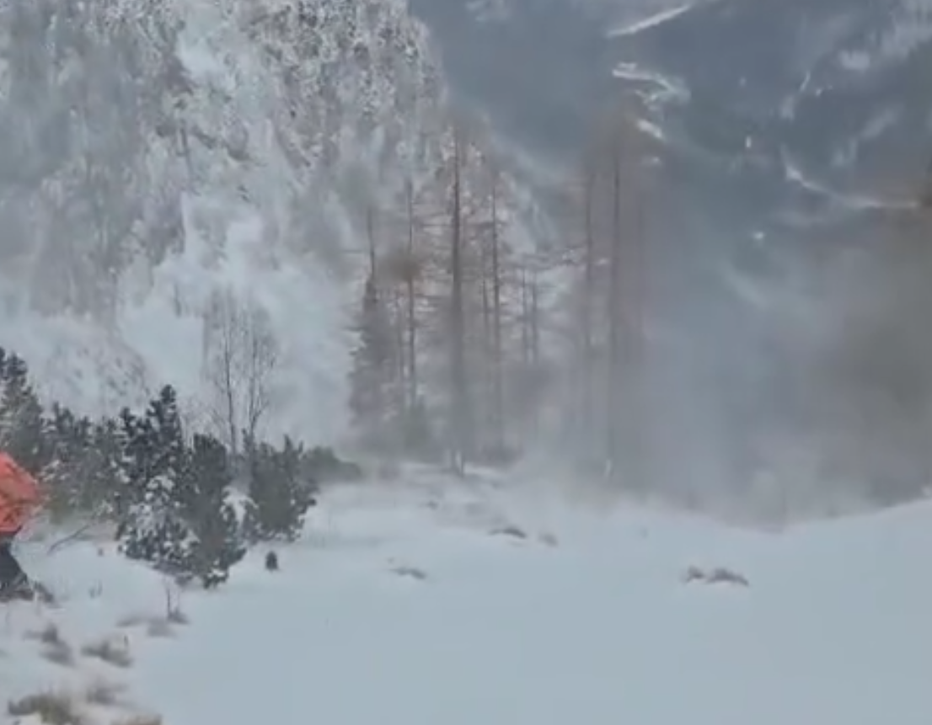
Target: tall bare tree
588,293
240,357
498,362
625,416
461,433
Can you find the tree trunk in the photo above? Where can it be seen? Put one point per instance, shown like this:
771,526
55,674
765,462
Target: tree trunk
588,389
487,346
460,415
410,275
370,236
498,394
614,398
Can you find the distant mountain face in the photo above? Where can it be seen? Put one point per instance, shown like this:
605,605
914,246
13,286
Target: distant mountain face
783,96
535,66
786,129
789,107
799,131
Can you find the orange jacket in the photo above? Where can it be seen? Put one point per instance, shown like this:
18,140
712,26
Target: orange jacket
20,495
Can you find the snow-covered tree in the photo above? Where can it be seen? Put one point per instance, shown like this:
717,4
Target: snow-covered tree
372,393
154,529
180,518
240,354
204,501
21,423
279,496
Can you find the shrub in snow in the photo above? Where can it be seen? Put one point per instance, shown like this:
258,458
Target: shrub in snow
154,531
56,708
170,495
210,514
21,421
83,472
180,518
152,528
722,575
111,651
322,465
719,575
279,495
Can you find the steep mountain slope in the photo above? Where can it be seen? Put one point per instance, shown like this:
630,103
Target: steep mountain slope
791,104
780,105
792,139
534,65
156,155
798,132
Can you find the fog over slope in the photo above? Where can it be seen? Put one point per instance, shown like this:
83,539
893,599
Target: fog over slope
792,140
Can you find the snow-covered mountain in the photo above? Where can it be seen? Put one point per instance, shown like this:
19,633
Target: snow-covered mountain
537,66
792,137
800,111
781,105
799,132
154,154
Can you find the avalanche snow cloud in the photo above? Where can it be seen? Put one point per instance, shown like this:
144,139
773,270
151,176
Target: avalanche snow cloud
155,155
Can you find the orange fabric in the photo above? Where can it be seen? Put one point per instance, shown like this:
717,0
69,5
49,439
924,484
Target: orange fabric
20,495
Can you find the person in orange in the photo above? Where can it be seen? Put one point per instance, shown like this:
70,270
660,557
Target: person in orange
20,497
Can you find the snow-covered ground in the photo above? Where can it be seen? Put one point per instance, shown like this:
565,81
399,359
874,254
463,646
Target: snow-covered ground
420,605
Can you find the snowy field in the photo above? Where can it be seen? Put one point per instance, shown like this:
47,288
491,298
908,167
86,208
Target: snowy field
466,605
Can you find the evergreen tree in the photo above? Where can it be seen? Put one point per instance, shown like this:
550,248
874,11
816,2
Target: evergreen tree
169,498
420,442
105,481
321,465
179,517
279,497
64,475
167,448
21,420
86,473
205,505
134,465
152,528
371,372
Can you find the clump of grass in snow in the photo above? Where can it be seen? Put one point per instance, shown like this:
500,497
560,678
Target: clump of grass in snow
102,693
511,530
52,708
108,651
720,575
50,635
160,628
412,572
133,620
54,647
140,720
156,626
